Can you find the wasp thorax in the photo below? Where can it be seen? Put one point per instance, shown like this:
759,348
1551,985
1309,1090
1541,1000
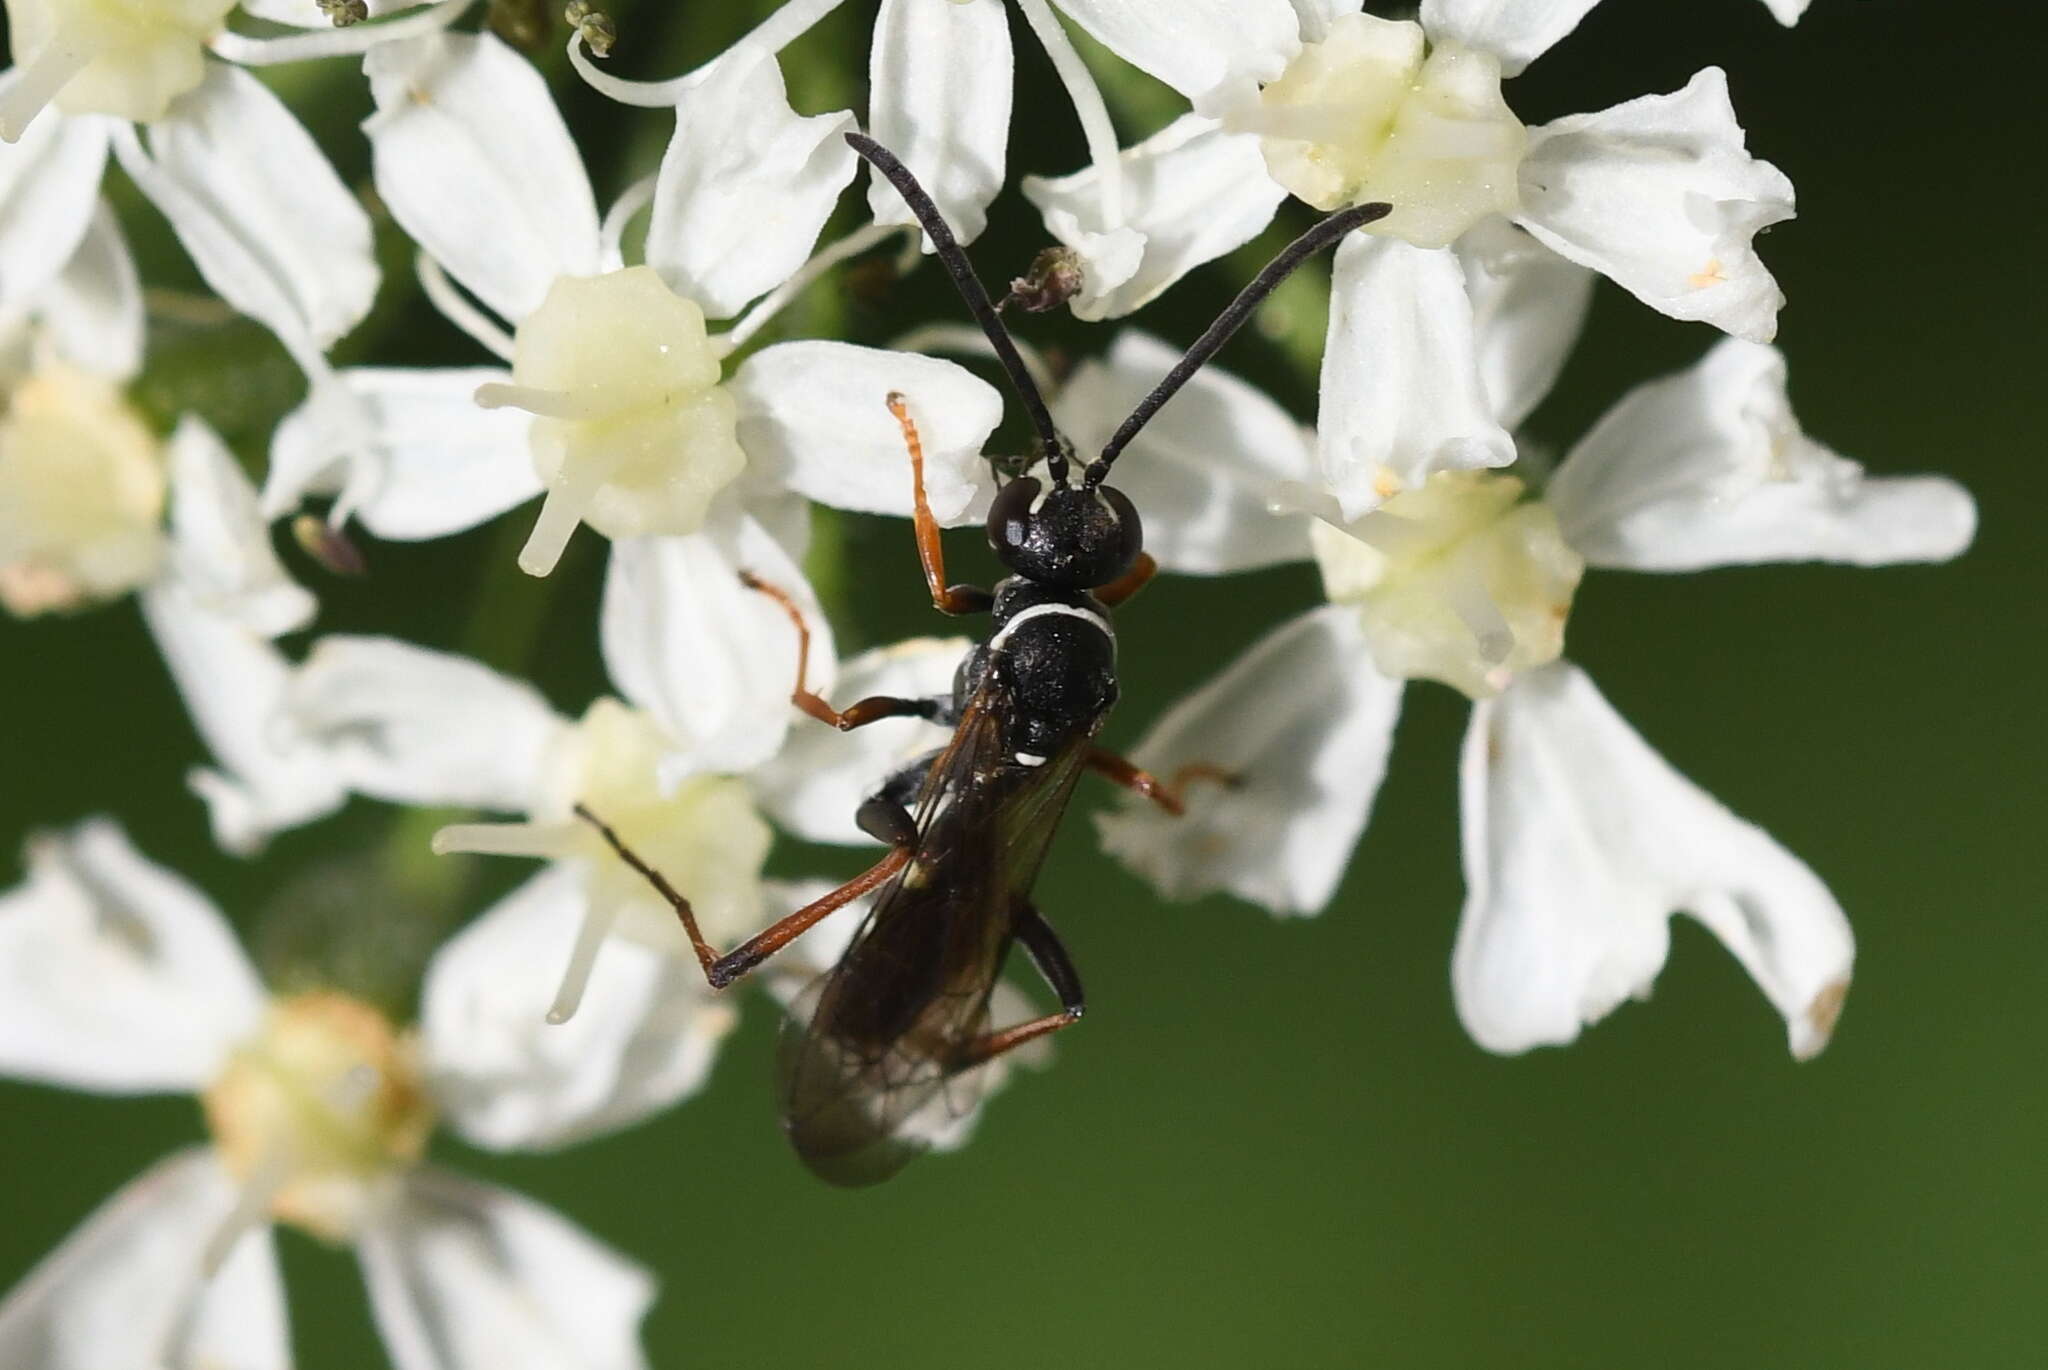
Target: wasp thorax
81,494
1073,537
327,1101
1458,580
1367,114
128,58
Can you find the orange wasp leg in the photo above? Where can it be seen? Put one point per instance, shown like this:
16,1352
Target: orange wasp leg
1167,794
1057,968
869,710
947,599
722,970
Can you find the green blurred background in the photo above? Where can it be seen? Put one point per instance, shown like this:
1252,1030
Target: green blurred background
1272,1144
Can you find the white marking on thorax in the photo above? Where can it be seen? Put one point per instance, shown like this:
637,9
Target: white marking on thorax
995,643
1027,759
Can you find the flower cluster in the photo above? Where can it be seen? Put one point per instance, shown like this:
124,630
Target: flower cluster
622,380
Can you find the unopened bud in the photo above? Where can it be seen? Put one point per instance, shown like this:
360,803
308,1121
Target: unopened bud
326,544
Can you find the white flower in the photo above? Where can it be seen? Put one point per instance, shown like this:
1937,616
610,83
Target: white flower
635,429
264,216
1658,193
81,493
1579,842
86,492
125,979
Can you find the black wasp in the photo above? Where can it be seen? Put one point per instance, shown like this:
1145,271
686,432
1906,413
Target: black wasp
882,1051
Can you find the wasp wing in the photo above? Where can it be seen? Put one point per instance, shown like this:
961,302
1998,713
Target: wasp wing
868,1056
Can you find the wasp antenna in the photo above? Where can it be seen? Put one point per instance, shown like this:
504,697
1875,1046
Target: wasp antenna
1328,231
947,249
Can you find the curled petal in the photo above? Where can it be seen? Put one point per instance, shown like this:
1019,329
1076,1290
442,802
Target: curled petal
1191,192
93,310
814,785
115,974
443,463
1660,195
221,554
49,183
745,186
415,726
233,682
465,1276
1207,467
1515,31
814,416
1402,392
1528,305
941,82
253,199
1710,468
128,1288
1212,51
478,167
1290,743
712,660
643,1038
1580,843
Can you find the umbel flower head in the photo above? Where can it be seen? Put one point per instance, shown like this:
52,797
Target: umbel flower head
121,978
1579,841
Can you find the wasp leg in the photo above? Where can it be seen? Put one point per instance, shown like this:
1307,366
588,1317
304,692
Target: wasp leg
1167,794
885,815
859,715
1049,955
1129,583
947,599
719,970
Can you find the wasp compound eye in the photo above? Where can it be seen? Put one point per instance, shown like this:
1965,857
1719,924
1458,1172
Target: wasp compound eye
1072,538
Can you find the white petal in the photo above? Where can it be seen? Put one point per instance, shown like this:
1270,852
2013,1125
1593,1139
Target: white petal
1191,192
1302,723
476,164
745,186
1205,469
1709,468
644,1037
1209,50
1659,194
93,309
445,463
125,1291
815,416
1316,16
221,553
711,659
1515,31
1787,12
1402,393
251,196
941,77
115,974
464,1276
1528,305
415,726
821,776
1580,843
49,183
233,682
